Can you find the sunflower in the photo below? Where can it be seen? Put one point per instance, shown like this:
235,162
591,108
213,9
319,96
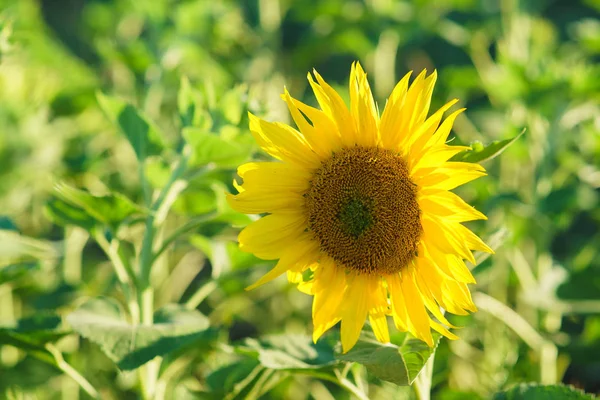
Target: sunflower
359,211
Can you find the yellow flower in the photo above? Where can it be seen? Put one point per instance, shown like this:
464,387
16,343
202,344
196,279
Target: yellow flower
360,213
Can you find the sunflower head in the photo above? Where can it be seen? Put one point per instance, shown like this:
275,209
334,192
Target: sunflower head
363,202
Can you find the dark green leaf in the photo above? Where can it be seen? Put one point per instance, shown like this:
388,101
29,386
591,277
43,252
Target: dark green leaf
13,272
543,392
145,138
111,209
186,102
290,352
31,334
208,148
480,153
399,365
63,214
129,346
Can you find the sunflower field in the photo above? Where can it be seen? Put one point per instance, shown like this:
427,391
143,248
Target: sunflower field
279,199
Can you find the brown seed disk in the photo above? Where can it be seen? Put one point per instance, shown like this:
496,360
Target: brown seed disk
362,207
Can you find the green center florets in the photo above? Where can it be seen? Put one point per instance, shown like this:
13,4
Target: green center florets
356,216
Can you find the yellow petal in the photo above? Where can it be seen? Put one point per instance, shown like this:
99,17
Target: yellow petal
445,236
354,312
283,142
296,258
332,104
269,237
397,302
419,319
363,108
329,288
448,206
418,143
380,327
319,130
439,328
389,127
473,241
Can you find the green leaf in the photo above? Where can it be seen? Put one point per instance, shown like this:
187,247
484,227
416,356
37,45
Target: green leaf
388,362
186,103
145,138
16,249
208,148
12,272
63,214
31,334
480,153
289,352
534,391
111,209
129,346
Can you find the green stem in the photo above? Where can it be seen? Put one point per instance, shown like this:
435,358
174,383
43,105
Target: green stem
342,382
124,274
545,348
182,230
202,293
70,371
422,384
158,213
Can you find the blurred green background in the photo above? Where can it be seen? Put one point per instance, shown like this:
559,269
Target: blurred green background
513,64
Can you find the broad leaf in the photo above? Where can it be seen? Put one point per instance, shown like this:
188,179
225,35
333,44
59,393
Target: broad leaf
536,391
480,153
129,346
110,209
145,138
289,352
396,364
209,148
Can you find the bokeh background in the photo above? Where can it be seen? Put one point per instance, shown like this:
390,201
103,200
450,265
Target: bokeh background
513,64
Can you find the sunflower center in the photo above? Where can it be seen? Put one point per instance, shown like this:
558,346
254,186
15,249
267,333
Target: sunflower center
362,207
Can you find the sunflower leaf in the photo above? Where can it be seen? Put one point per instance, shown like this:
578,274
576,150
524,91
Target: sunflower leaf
130,346
81,208
397,364
210,148
145,138
289,352
480,153
542,392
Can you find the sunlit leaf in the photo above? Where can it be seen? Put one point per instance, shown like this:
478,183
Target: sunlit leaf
289,352
129,346
111,209
145,138
396,364
480,153
543,392
16,248
208,148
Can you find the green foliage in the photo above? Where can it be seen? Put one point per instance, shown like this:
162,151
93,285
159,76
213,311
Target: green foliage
144,137
125,279
130,346
392,363
542,392
480,153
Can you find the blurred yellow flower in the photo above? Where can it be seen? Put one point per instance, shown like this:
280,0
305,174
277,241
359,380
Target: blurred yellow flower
360,213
